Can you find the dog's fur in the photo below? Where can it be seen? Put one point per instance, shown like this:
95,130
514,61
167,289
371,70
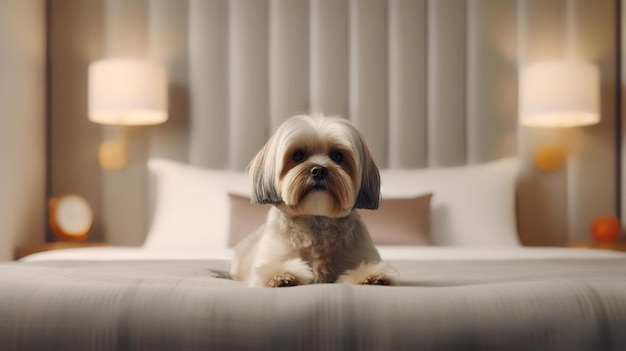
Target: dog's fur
315,171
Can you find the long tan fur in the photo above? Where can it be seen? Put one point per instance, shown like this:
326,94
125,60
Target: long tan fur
314,171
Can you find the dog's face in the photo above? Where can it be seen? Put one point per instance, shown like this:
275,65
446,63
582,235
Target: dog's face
316,166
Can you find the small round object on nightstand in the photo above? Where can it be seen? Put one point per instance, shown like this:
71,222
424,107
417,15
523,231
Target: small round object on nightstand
606,229
70,217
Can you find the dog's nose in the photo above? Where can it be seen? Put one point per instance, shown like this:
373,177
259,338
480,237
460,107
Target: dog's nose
319,172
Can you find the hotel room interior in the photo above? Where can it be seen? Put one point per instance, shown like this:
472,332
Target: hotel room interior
120,207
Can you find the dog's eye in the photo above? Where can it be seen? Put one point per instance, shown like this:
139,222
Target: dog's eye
299,156
336,156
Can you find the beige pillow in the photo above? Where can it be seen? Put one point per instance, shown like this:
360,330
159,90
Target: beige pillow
396,222
400,221
245,217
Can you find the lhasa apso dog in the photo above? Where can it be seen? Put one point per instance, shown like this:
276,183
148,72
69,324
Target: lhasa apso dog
315,171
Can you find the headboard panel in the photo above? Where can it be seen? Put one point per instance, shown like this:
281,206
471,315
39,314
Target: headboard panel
418,78
430,83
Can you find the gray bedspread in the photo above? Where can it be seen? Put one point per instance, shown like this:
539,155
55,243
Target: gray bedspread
180,305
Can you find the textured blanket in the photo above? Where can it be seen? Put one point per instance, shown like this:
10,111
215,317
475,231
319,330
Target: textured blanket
181,305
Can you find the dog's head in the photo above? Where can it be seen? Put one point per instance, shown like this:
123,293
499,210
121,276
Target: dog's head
316,166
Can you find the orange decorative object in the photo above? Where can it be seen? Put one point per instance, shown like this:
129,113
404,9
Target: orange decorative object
605,229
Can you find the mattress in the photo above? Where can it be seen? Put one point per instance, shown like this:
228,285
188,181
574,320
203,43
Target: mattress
387,252
535,302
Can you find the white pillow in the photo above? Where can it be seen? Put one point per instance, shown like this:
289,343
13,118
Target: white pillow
472,205
191,205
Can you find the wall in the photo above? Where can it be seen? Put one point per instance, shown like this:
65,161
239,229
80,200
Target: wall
565,203
75,40
88,30
22,124
621,132
456,74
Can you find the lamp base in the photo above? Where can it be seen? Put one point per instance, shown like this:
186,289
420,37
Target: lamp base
550,158
113,155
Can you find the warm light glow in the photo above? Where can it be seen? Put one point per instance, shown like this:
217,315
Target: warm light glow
559,94
550,158
113,154
127,92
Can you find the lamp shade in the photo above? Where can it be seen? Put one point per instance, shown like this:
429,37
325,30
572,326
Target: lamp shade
559,94
127,92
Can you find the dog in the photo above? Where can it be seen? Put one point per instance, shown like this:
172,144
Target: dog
315,171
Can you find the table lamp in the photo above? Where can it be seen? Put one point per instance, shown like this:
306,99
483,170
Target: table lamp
555,95
125,92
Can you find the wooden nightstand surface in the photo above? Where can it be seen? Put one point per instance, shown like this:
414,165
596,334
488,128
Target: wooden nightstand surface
616,246
57,245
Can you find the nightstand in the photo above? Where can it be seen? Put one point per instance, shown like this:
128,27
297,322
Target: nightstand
57,245
619,245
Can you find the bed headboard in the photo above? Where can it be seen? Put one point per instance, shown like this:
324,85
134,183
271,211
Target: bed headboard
429,83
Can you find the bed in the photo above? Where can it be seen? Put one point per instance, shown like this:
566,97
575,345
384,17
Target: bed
429,83
470,286
449,298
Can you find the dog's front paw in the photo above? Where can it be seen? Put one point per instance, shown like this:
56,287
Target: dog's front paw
279,274
372,273
283,280
376,280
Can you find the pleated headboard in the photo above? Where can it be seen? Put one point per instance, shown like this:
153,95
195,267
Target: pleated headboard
430,83
427,85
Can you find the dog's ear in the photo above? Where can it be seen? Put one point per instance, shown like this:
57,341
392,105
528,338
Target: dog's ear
261,169
369,193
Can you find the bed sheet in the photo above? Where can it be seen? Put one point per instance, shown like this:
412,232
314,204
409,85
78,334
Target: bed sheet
518,304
